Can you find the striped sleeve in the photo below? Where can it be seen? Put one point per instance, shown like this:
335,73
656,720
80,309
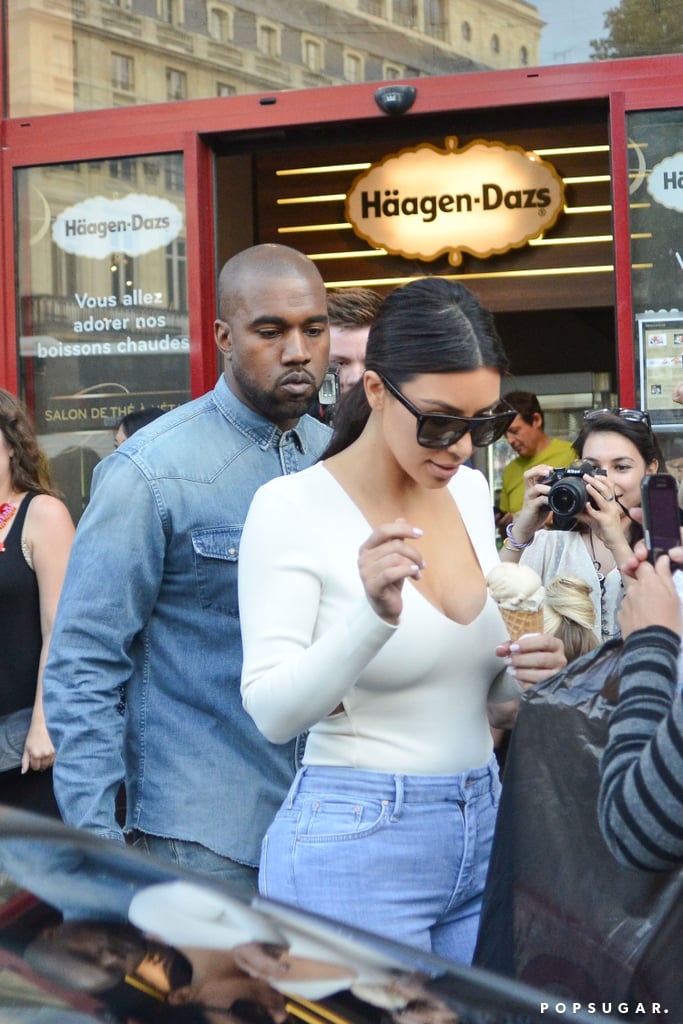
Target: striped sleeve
641,789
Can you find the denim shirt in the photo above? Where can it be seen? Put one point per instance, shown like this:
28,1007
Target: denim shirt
149,609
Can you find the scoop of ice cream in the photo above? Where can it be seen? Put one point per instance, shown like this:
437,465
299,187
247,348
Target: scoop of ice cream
516,586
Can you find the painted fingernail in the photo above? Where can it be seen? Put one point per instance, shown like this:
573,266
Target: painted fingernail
515,647
417,532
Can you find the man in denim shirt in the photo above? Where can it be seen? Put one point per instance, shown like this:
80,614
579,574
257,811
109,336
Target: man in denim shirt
149,605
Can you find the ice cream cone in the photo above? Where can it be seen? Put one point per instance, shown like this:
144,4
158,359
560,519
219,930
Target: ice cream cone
519,623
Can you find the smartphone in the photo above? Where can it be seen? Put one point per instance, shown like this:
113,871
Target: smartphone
330,389
661,516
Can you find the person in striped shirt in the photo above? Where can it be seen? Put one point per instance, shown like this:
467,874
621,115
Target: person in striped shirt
640,804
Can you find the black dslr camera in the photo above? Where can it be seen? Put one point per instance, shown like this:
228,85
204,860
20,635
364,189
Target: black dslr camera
568,494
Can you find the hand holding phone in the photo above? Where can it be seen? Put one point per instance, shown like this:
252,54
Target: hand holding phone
661,514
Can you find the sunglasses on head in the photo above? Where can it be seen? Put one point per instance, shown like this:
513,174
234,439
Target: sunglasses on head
435,430
632,415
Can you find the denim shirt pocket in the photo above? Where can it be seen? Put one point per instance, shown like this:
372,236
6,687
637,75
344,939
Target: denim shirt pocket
216,551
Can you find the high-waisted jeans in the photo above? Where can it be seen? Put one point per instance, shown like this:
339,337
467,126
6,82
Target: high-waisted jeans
404,856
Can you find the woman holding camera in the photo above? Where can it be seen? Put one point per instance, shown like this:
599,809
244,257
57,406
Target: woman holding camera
366,621
620,444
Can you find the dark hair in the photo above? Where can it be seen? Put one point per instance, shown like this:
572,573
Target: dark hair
29,470
638,432
350,308
140,418
526,404
428,326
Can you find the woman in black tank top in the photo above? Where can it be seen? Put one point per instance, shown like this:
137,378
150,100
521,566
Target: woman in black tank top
35,538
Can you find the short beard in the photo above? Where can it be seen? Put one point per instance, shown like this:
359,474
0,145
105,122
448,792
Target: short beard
277,410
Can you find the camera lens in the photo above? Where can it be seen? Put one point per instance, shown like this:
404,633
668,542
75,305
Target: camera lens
568,496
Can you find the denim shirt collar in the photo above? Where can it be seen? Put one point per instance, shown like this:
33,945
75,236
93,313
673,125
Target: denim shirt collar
253,425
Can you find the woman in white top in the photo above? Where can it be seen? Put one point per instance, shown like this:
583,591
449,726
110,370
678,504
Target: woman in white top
621,443
388,825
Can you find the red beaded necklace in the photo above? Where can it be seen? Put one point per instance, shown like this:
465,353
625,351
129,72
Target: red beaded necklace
6,513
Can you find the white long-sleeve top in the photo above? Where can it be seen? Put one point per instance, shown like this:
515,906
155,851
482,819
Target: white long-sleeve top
414,695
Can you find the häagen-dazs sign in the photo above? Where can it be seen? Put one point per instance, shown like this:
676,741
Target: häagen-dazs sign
135,224
482,199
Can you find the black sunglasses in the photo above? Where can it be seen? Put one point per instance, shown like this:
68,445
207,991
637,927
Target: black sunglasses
632,415
435,430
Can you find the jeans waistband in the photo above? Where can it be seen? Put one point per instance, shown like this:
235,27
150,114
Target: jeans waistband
397,788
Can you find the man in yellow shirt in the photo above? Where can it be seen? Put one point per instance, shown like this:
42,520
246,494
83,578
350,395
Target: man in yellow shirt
533,446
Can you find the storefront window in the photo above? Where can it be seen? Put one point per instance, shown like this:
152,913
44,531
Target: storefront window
103,304
656,205
127,45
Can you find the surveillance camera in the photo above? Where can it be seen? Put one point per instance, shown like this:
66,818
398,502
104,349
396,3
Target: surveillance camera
395,99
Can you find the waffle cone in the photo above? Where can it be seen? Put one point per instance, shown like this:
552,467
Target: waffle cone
519,622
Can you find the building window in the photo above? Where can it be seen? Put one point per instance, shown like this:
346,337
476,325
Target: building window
123,169
391,72
223,89
122,72
219,23
174,173
436,19
312,54
374,7
268,40
466,30
495,43
176,84
523,56
405,13
170,11
123,276
64,273
353,67
176,275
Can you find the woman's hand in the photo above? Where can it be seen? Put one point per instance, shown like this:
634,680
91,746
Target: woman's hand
534,512
39,753
607,518
533,658
651,599
384,561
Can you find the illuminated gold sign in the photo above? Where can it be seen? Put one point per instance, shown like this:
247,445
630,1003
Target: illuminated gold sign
483,199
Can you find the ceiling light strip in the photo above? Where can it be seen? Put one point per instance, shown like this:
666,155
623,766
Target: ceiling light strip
588,209
496,275
298,200
576,240
331,169
302,228
355,255
588,178
568,150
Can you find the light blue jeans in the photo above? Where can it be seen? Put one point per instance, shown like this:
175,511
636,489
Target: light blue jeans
241,878
404,856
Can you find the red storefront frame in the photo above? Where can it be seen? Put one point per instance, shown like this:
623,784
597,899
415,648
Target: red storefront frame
189,127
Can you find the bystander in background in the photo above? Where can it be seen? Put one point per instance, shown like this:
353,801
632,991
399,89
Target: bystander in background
35,537
133,421
526,435
351,312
